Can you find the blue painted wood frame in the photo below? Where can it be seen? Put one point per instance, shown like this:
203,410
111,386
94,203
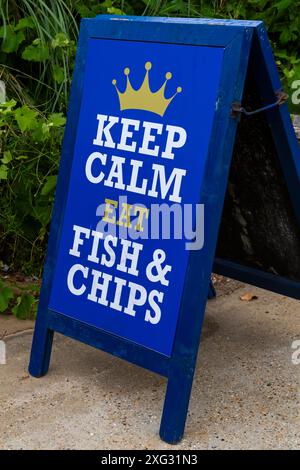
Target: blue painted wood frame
236,38
287,146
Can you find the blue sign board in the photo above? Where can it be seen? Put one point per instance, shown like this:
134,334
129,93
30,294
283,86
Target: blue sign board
133,287
149,138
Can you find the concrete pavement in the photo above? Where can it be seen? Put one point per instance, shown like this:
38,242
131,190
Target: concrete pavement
246,392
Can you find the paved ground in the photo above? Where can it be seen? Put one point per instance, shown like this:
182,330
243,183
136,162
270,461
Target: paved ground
246,392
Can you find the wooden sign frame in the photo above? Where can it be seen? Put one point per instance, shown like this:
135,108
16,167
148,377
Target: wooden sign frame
237,38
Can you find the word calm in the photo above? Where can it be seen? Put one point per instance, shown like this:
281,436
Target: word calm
144,138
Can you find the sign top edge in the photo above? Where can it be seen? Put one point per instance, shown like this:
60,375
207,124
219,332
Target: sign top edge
187,21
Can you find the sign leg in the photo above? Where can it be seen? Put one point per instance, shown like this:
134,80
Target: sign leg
41,348
211,291
176,406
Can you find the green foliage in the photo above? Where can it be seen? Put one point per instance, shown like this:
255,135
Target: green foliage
28,173
38,39
23,306
18,298
38,45
6,294
36,61
282,18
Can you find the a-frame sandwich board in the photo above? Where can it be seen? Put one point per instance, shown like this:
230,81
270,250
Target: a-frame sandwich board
150,310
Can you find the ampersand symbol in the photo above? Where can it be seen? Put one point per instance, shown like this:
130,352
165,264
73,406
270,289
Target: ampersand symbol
159,257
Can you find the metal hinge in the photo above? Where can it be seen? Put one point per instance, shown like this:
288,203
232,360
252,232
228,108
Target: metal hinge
237,108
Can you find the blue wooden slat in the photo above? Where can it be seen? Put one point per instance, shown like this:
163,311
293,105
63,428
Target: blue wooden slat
212,195
42,338
215,33
211,291
279,119
256,277
186,21
112,344
268,83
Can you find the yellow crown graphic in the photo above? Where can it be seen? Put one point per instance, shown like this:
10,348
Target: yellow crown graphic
144,98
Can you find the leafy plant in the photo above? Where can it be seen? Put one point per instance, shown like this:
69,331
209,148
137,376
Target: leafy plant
6,294
28,169
38,44
282,18
42,36
19,299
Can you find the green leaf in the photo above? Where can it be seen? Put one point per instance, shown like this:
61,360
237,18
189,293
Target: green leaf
7,157
42,211
26,118
57,119
8,105
6,294
23,307
49,186
36,52
58,74
41,132
283,5
115,11
24,23
3,172
60,40
286,36
11,40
